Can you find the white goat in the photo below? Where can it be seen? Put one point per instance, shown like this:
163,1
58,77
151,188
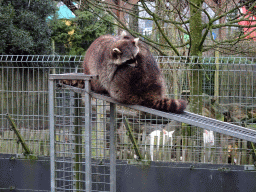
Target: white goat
208,138
157,133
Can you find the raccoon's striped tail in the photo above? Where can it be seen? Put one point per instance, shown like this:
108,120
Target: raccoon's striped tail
168,105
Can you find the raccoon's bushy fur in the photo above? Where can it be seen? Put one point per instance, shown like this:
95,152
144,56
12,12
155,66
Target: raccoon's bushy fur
128,72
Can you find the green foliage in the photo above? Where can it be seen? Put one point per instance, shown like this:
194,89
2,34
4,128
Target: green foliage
86,26
24,29
60,35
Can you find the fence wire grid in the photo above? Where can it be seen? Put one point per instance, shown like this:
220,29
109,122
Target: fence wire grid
228,94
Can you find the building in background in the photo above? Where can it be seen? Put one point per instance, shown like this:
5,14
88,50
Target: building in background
252,21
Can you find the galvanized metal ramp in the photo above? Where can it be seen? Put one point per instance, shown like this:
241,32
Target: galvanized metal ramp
186,117
195,120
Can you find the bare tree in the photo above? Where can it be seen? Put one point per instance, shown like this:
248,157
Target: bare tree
184,27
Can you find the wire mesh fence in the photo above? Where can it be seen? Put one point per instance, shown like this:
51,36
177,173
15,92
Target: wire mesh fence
228,94
87,138
81,147
24,96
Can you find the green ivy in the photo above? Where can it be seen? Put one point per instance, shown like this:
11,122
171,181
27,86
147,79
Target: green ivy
24,29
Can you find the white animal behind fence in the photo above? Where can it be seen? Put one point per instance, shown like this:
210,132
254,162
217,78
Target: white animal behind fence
208,138
157,133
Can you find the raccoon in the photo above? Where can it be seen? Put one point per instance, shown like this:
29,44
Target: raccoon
128,73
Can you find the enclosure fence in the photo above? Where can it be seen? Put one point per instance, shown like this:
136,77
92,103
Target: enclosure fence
228,94
83,142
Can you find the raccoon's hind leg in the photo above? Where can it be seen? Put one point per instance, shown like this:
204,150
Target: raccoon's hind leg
96,87
167,105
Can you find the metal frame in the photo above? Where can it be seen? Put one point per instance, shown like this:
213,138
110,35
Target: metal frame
88,136
186,117
112,148
52,136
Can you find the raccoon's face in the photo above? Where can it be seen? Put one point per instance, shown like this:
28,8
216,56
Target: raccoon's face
125,50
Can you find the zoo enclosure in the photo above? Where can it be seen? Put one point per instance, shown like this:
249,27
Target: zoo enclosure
228,95
24,94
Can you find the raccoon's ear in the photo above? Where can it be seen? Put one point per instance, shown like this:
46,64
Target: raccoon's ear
124,33
117,51
136,41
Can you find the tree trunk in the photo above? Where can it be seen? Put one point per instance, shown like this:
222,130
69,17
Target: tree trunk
134,20
195,25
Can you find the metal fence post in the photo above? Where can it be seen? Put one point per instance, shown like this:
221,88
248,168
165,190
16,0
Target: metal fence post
77,140
112,148
52,135
88,168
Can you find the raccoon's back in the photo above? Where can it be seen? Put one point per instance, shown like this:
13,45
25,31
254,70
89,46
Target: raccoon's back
96,54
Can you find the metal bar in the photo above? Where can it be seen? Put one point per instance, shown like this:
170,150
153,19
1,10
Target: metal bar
88,168
77,130
112,148
71,76
73,124
52,134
